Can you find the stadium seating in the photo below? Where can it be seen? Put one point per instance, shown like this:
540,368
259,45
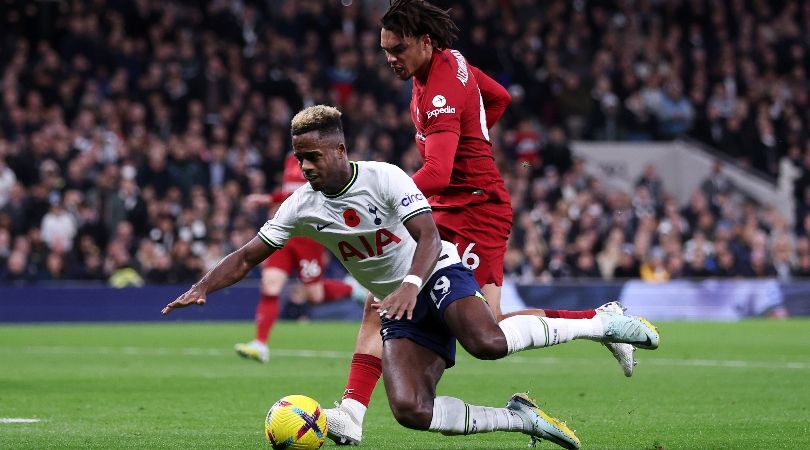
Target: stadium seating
129,133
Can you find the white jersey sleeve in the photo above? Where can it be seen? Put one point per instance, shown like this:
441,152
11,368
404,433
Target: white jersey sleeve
400,190
278,230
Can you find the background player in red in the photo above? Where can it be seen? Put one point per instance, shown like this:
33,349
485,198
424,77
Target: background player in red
453,105
301,256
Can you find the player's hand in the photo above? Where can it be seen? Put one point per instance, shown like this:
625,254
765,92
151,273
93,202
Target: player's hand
193,296
399,303
258,201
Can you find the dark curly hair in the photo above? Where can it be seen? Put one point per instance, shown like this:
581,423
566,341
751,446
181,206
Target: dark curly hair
417,18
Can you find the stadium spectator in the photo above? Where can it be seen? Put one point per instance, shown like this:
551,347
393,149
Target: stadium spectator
652,181
7,177
58,226
17,268
654,269
675,113
5,247
608,258
802,269
628,265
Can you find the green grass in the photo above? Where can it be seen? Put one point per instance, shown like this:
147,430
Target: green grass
710,385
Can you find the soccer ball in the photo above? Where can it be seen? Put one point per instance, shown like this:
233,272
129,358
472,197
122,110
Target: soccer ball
296,422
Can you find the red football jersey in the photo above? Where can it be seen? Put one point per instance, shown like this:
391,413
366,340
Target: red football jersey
450,100
291,179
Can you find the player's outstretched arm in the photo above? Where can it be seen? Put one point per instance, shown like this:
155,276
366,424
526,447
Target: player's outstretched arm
402,301
231,269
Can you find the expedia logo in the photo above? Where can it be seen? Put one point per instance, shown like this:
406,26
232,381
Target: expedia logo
437,111
439,101
411,198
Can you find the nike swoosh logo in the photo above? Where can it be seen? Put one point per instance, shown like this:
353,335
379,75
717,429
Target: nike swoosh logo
321,227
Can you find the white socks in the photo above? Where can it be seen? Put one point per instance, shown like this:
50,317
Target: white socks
452,416
355,409
523,332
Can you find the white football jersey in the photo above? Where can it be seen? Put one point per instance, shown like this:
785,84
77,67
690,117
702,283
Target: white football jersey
362,225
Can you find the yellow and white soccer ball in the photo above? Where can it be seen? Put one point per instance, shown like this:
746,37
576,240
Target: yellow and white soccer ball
296,422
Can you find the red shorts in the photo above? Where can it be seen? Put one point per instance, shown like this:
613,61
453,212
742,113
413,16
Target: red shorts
480,233
300,255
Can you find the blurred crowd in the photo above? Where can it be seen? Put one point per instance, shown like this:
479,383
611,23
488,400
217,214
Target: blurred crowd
131,131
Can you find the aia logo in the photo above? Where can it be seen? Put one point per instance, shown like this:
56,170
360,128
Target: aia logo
351,218
362,248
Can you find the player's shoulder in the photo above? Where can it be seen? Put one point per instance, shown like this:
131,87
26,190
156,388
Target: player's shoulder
302,194
449,66
377,167
380,176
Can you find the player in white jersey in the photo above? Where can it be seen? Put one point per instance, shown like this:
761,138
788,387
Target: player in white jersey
378,224
363,224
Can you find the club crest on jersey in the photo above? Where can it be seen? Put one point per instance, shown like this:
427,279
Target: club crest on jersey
373,210
366,249
351,218
439,101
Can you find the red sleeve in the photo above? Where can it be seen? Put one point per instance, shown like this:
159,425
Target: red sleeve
496,98
440,151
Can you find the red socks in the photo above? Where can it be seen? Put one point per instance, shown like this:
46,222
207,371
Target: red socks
334,290
565,314
364,373
266,316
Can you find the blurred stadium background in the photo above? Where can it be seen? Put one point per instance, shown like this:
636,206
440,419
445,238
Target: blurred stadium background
657,151
657,141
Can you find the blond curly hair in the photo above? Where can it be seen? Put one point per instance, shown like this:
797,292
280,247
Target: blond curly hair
321,118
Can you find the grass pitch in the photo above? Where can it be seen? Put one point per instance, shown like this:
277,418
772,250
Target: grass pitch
180,386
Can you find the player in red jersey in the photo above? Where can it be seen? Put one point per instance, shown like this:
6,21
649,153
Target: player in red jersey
453,105
301,256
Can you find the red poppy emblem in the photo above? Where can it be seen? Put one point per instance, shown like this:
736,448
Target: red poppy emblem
351,218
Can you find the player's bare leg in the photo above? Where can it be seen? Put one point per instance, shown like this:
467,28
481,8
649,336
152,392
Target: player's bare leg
314,292
326,290
345,421
484,340
411,375
368,337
